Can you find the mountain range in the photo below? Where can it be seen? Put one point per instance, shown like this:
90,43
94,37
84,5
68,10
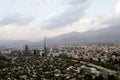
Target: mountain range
104,35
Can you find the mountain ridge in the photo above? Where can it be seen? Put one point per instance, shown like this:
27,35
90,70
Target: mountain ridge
104,35
108,34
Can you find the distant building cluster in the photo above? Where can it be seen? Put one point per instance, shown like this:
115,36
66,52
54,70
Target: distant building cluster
100,53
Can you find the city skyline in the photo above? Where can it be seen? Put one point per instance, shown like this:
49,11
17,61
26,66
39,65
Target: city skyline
33,20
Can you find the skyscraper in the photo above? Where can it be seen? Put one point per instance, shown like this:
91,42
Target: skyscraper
45,46
26,48
26,53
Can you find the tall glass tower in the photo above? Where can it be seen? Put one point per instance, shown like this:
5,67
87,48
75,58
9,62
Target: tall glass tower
45,46
26,48
26,53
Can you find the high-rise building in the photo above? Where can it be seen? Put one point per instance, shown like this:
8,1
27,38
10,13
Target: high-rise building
26,52
45,46
26,48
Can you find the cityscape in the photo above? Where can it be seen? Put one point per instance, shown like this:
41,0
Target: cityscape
60,40
84,62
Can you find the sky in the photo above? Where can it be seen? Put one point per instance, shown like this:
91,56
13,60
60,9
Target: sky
35,19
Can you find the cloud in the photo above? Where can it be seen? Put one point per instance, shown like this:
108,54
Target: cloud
118,8
110,18
70,20
10,32
113,18
35,2
76,11
15,19
75,2
101,21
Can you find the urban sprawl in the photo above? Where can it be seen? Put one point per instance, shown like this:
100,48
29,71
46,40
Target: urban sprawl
84,62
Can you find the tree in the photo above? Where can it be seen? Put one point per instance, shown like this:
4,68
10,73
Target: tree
3,58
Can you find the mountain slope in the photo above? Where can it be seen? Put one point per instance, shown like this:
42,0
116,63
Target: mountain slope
105,35
109,34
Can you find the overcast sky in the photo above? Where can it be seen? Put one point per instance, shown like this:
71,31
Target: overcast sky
35,19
